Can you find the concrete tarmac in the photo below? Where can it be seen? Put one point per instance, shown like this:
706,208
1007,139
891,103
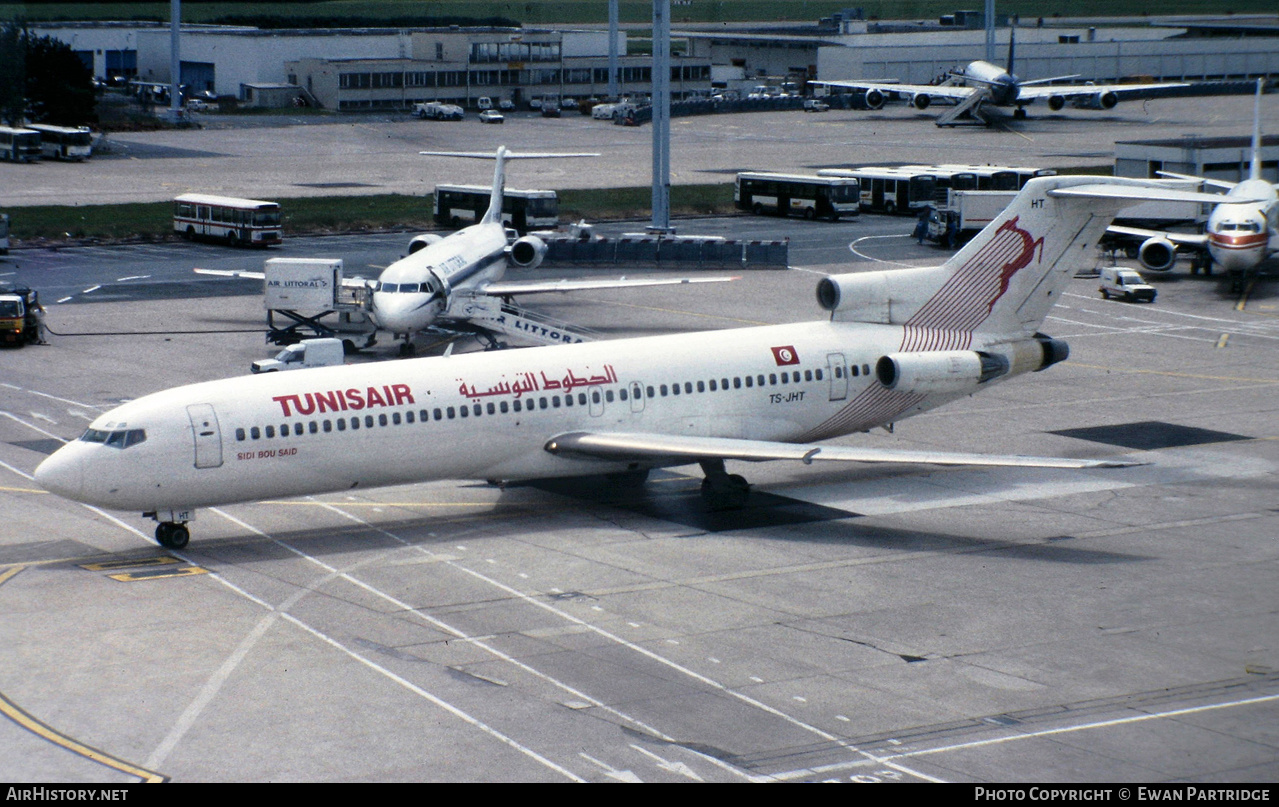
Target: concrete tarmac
884,623
309,155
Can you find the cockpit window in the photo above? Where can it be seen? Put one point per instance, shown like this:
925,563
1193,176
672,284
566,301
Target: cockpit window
389,288
408,288
121,438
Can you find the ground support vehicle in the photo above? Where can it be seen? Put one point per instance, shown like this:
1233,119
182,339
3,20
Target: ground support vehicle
1125,284
963,214
303,355
19,315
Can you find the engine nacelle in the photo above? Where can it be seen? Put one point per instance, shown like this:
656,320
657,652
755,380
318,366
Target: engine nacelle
1157,254
921,100
1099,100
1056,102
423,241
939,371
527,252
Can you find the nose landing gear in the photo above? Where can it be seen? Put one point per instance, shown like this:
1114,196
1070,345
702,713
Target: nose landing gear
171,535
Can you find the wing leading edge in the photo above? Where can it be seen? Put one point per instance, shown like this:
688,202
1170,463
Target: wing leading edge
677,449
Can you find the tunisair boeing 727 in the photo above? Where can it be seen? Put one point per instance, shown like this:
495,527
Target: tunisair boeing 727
897,343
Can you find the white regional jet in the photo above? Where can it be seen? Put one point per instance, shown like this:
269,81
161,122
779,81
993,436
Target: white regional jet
455,281
897,343
981,82
1242,229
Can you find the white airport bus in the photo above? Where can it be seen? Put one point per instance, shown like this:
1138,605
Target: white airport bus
891,190
812,197
19,145
985,177
64,142
459,205
233,221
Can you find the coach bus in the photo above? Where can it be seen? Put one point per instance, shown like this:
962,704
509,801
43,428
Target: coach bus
891,190
248,222
810,196
458,205
19,145
64,142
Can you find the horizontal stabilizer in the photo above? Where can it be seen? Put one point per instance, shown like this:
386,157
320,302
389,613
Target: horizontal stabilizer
506,289
1145,194
510,155
635,447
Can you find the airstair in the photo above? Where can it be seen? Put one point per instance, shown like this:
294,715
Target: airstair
970,105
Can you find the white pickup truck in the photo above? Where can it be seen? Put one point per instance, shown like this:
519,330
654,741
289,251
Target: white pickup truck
305,354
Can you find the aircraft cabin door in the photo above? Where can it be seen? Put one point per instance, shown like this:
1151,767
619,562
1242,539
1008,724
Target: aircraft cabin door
597,401
207,434
838,373
637,397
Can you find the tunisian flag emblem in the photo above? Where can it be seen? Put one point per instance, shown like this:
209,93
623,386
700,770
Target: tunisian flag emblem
785,355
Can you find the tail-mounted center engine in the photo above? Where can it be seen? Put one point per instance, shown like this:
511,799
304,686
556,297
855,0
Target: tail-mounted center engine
1157,254
942,372
423,241
527,252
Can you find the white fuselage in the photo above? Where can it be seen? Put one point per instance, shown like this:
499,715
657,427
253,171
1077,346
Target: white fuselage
415,291
1000,85
484,416
1241,236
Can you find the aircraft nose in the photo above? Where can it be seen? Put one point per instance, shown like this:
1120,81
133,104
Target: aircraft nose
60,473
397,313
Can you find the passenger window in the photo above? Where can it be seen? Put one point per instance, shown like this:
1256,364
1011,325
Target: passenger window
608,396
341,424
270,432
649,391
817,374
541,403
621,394
595,397
808,375
239,435
518,406
737,382
355,424
555,401
395,417
759,380
503,406
856,370
313,427
439,415
463,411
750,382
663,388
785,378
581,398
450,412
701,386
688,387
328,426
491,408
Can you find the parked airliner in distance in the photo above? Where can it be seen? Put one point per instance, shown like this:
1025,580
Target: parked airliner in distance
897,343
455,281
980,82
1241,232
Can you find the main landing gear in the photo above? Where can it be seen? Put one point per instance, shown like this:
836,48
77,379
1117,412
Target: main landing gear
722,490
171,535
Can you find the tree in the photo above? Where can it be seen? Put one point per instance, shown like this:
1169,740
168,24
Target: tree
59,87
13,74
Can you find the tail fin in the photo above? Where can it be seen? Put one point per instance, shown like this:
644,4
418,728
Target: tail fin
1012,45
1005,280
1254,168
494,212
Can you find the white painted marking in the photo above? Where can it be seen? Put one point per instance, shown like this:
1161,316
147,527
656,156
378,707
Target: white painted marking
669,765
611,772
91,288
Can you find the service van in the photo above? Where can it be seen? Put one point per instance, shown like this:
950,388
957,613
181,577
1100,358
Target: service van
1125,284
305,354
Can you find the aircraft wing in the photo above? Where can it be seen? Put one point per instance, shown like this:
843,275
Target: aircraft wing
1180,239
510,288
934,91
624,446
1032,91
347,282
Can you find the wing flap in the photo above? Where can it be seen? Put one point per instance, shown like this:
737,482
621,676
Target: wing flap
1188,239
635,446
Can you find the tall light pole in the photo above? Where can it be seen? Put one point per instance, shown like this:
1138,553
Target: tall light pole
612,50
175,59
661,116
